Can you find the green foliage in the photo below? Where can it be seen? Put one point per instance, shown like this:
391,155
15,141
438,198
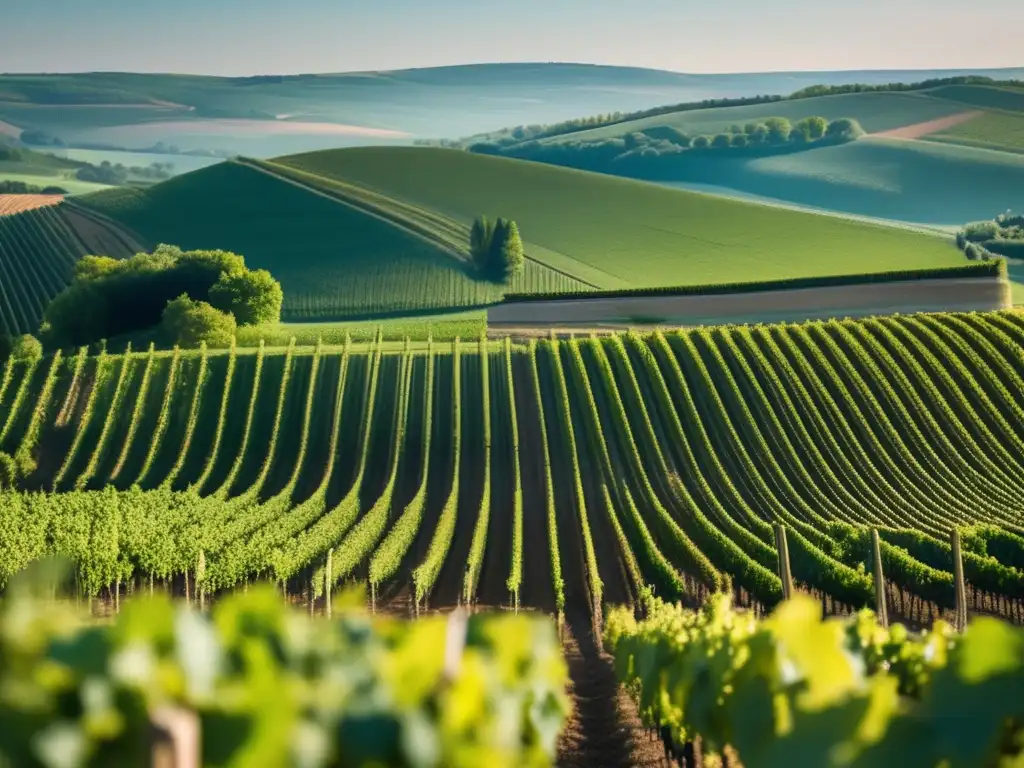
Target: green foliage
794,684
254,297
611,216
384,690
188,324
109,297
26,347
496,249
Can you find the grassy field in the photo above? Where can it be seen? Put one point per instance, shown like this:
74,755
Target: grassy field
1003,131
982,96
73,186
636,233
874,111
514,474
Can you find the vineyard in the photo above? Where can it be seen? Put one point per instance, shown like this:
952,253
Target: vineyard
38,250
559,475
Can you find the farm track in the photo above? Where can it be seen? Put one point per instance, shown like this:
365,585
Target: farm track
604,730
920,130
537,586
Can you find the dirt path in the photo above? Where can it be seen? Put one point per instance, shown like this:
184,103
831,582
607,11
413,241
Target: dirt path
604,729
919,130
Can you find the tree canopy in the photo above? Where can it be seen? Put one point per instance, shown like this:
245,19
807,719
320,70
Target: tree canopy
109,297
189,323
496,248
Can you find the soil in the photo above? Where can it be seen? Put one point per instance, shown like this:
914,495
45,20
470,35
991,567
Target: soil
10,204
604,729
927,128
584,315
100,236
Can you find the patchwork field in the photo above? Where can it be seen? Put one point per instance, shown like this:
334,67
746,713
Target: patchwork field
557,475
1003,131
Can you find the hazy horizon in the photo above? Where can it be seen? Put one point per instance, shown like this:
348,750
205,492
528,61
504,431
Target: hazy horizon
209,37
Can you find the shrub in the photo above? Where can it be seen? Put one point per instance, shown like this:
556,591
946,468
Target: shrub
701,142
739,140
253,297
722,140
844,129
980,231
779,129
109,297
26,347
189,323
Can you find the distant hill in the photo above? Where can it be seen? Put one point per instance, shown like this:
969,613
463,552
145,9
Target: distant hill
286,113
900,170
370,231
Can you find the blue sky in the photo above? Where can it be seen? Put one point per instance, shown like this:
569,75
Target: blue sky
239,37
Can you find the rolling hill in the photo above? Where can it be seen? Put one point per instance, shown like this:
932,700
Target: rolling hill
270,115
957,158
366,231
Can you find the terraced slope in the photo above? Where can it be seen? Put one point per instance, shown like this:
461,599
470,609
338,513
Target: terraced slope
559,475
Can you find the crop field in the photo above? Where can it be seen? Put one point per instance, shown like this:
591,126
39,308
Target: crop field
333,260
1003,131
561,475
637,234
38,251
17,203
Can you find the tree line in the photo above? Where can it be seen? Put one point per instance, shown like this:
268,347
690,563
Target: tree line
647,150
523,133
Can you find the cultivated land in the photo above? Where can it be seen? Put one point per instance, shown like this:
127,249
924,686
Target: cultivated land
38,250
369,231
562,476
1002,131
17,203
855,300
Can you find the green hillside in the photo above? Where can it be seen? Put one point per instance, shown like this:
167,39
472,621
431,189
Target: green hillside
636,234
986,97
875,112
1003,131
917,181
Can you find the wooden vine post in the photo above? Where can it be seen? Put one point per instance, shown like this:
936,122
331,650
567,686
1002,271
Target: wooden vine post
327,581
785,574
881,610
958,580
